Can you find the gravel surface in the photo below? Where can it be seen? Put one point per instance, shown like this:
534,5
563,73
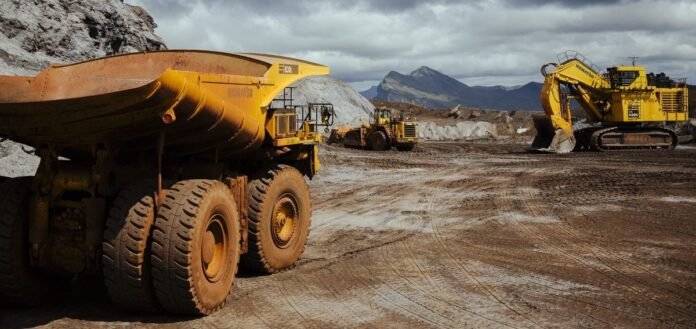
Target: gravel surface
465,235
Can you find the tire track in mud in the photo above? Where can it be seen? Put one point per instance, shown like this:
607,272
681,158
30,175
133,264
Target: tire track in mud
503,263
506,264
425,304
439,239
414,308
428,276
407,312
440,305
356,314
579,242
507,205
537,292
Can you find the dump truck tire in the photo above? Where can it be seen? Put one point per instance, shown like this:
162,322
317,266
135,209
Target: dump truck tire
378,141
279,220
19,283
406,147
195,247
126,248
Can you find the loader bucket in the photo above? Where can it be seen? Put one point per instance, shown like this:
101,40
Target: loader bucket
355,138
549,138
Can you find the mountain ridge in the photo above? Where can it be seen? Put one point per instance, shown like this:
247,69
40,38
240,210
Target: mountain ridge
433,89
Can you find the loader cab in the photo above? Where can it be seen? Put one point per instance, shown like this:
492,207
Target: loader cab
382,116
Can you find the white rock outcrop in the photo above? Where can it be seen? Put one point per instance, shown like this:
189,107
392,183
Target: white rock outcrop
463,130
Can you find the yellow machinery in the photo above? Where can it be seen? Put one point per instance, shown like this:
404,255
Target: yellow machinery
384,132
160,170
634,110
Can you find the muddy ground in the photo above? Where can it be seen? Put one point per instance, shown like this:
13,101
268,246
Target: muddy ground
466,235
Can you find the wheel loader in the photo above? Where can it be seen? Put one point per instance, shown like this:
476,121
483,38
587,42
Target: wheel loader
385,131
628,109
163,171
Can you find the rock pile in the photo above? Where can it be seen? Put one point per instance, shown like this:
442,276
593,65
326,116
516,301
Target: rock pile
34,34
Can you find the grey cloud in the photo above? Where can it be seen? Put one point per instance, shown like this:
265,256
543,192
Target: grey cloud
487,41
565,3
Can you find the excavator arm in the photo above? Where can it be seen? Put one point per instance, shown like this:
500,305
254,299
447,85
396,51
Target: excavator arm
580,82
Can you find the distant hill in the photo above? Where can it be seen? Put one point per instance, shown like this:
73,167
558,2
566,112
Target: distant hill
432,89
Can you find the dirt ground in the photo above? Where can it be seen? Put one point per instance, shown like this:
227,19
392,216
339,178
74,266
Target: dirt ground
462,235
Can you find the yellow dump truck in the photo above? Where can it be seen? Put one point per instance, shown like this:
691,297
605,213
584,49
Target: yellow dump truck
161,170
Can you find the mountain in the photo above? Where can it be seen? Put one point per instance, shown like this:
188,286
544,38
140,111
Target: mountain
432,89
370,93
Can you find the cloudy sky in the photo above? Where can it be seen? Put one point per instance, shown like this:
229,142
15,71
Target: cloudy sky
480,42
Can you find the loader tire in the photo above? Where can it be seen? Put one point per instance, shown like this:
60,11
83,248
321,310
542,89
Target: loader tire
195,247
126,248
19,283
378,141
279,220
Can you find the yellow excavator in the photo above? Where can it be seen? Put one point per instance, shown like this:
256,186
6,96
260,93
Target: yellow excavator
630,109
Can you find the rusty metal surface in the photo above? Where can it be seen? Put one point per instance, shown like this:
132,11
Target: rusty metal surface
214,99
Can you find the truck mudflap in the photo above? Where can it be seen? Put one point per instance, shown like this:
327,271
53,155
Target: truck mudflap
550,139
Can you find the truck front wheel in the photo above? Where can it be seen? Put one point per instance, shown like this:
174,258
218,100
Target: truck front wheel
279,220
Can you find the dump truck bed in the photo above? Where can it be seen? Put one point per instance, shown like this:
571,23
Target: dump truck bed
202,100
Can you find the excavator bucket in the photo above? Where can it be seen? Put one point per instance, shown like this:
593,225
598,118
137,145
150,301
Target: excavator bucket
549,138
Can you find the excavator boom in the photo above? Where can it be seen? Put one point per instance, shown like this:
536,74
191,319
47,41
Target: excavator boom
555,129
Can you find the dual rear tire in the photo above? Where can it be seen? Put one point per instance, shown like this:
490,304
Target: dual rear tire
184,258
195,247
19,283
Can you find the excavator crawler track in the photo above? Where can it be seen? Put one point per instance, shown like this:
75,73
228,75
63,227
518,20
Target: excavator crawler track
624,138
